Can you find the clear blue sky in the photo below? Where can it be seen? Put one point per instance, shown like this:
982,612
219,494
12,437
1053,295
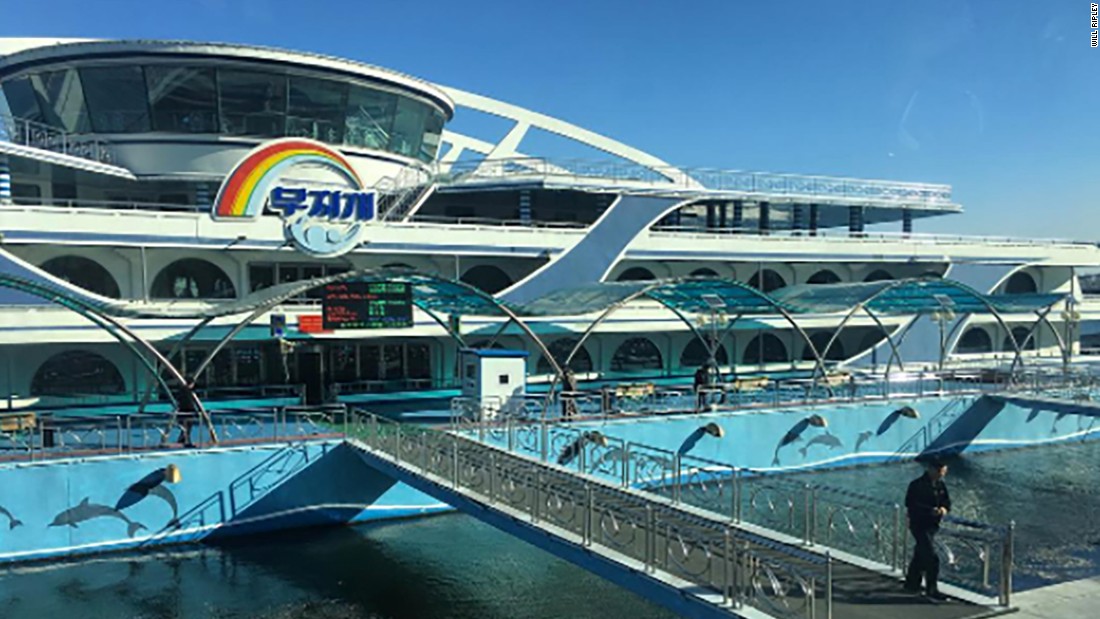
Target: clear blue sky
1000,98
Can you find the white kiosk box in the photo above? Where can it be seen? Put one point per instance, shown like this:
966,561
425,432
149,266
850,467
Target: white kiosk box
493,377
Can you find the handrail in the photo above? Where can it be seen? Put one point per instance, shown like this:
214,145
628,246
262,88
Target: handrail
705,179
39,135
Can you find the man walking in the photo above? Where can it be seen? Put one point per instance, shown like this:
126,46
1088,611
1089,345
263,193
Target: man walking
927,502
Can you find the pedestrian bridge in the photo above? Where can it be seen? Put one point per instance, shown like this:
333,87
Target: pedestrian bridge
699,537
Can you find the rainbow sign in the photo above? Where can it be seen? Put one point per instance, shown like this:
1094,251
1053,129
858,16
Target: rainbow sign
320,220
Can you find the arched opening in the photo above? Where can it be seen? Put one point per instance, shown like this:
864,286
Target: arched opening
77,373
560,349
767,280
766,348
637,355
636,274
399,266
878,275
1021,282
704,272
487,278
824,276
820,341
84,273
192,278
973,341
1020,333
695,355
872,338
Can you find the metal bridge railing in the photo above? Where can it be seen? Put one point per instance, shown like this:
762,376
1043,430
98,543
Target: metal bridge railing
28,437
664,536
38,135
794,186
976,556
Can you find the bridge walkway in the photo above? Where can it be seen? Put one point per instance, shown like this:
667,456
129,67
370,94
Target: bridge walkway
688,558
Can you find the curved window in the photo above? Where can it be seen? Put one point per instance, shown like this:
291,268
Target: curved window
489,278
771,280
77,372
182,99
638,354
83,272
560,349
974,340
194,98
704,272
192,278
695,355
878,275
636,274
821,340
824,276
1021,282
1020,333
766,348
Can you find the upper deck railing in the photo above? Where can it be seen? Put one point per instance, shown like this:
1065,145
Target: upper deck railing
38,135
763,185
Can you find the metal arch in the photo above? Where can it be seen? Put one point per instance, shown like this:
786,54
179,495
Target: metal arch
351,275
894,352
1018,358
647,290
87,310
1000,320
177,348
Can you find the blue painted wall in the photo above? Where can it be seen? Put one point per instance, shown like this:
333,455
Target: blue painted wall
221,492
782,440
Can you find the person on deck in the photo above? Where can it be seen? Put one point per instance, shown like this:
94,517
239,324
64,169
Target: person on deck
927,502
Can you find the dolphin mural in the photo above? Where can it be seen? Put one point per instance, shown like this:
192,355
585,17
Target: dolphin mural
828,440
153,485
892,418
12,520
795,433
863,438
89,511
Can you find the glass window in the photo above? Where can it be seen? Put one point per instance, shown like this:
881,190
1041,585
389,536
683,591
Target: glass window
370,363
84,273
766,348
192,278
695,354
261,276
636,355
560,349
182,99
252,103
393,362
345,363
77,372
408,127
248,362
771,280
21,99
636,274
288,273
116,98
370,117
975,340
824,276
430,146
317,109
62,100
419,361
1021,282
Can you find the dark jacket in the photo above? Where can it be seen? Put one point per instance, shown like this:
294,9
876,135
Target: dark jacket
922,498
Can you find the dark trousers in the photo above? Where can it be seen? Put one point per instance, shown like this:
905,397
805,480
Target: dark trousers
925,563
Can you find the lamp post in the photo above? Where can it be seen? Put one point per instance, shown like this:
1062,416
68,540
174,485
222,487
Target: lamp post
943,316
1070,318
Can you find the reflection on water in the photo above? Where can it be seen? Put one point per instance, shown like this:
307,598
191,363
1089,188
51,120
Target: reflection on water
447,566
1051,492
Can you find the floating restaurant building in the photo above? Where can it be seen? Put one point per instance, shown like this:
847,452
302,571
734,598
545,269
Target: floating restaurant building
177,181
